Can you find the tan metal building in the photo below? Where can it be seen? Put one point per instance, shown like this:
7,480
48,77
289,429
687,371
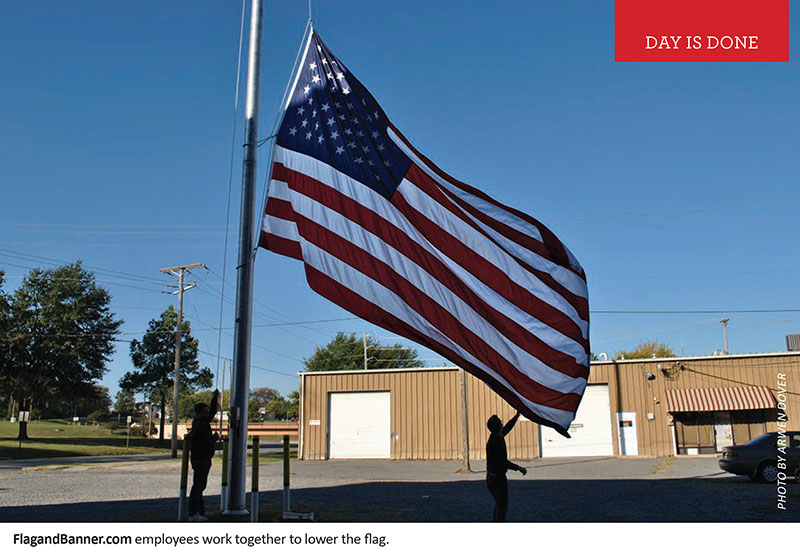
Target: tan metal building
643,407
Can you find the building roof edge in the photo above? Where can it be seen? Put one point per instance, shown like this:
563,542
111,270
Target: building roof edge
700,357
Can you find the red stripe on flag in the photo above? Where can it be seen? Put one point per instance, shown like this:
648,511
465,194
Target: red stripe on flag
489,274
280,245
556,250
398,239
450,200
280,208
439,317
429,186
361,307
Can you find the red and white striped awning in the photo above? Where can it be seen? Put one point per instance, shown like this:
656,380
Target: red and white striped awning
720,399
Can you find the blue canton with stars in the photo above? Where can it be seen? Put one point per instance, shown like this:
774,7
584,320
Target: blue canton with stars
333,118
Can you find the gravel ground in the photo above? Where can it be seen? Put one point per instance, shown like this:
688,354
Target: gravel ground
555,490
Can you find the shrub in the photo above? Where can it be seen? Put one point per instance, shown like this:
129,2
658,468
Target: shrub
97,416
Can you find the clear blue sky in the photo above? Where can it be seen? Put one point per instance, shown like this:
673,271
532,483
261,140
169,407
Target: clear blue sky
675,184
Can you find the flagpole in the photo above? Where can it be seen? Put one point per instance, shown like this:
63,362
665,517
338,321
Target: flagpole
240,385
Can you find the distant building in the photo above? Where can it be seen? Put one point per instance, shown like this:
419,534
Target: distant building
638,407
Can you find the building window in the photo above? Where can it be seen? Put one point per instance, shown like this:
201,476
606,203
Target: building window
708,432
748,425
695,432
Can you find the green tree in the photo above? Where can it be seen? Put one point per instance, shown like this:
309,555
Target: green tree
278,408
188,399
646,350
124,402
293,412
60,337
56,406
260,397
6,398
284,408
98,400
154,359
345,352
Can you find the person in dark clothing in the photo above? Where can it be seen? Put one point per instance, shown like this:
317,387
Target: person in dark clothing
497,464
202,444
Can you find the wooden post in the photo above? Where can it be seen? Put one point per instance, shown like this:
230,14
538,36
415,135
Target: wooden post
184,481
286,503
24,417
254,480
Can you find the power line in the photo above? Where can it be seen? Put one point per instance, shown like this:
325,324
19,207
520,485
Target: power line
253,344
730,380
275,311
112,245
121,232
656,213
720,311
60,226
305,322
131,276
203,340
103,271
258,315
104,281
119,341
640,334
230,180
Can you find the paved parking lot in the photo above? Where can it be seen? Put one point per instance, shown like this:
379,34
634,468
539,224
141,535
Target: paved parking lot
688,489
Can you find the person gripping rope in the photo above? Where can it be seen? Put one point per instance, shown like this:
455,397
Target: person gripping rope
203,442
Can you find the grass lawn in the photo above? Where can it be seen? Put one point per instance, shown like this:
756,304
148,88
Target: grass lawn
55,438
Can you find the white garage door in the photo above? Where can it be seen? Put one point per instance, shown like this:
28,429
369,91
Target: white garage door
590,430
359,425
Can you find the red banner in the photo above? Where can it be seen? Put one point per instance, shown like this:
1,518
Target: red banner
701,30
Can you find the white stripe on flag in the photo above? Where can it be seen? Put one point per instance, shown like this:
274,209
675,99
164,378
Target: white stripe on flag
322,214
566,277
471,320
376,293
276,226
476,242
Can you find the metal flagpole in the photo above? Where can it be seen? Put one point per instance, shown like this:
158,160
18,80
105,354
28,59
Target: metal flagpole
240,385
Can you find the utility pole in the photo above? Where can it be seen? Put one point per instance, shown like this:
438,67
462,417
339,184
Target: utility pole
724,323
178,271
240,384
366,365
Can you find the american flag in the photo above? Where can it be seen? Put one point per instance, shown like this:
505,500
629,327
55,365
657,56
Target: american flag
387,235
